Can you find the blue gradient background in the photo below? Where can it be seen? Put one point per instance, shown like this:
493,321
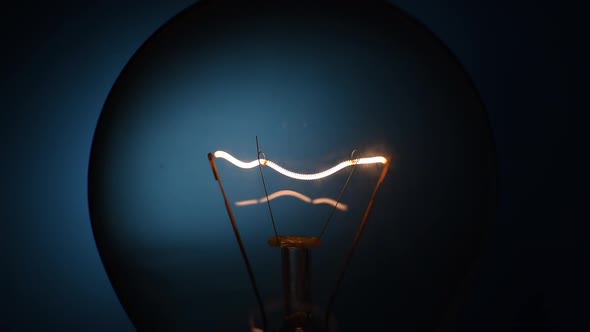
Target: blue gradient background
60,60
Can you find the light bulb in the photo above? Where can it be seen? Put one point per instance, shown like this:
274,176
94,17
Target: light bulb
314,81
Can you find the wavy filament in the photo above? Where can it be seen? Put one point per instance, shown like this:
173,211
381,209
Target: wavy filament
299,176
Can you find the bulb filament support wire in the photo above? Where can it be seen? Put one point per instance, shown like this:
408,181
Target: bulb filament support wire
240,242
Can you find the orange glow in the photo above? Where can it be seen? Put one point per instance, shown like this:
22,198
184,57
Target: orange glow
299,176
306,199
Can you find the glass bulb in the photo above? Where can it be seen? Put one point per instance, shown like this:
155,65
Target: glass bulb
314,81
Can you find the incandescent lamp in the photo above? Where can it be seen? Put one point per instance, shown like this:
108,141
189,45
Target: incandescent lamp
314,80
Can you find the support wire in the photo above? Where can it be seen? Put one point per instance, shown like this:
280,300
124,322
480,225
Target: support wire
355,160
240,243
355,243
272,219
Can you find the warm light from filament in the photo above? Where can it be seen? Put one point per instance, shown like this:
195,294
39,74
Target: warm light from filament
299,176
321,200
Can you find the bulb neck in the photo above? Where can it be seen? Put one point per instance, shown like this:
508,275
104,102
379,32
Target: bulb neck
296,275
296,289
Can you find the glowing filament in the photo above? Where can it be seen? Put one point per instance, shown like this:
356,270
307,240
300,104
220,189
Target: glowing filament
299,176
306,199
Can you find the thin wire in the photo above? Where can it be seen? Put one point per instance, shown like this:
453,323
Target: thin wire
341,191
272,219
239,239
355,244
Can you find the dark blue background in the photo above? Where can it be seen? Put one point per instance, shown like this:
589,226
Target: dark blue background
59,61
